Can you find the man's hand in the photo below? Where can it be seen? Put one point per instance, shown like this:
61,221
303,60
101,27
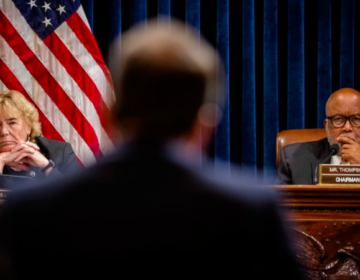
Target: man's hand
350,150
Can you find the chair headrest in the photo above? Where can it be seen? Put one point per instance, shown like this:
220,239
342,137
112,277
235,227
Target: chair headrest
287,137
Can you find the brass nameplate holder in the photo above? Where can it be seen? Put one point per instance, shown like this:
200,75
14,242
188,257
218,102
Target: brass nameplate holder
339,174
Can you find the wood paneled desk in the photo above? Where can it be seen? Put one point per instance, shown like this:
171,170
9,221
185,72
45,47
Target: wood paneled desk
324,224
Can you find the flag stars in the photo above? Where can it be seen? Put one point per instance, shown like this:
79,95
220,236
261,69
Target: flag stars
32,3
61,9
47,22
46,6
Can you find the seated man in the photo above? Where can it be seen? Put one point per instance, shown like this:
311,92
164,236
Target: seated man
342,124
149,210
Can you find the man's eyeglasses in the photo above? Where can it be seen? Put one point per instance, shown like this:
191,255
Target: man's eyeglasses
340,121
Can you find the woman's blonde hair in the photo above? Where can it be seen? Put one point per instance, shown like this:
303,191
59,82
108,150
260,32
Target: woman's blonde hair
13,99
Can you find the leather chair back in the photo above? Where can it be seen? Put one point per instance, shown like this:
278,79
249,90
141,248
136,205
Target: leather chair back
287,137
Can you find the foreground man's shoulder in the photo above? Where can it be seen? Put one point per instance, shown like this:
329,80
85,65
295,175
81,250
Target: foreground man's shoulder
240,184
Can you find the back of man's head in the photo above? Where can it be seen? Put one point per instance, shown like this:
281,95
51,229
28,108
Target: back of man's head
163,73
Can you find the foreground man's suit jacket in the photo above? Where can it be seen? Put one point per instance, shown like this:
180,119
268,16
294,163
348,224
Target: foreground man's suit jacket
143,213
298,162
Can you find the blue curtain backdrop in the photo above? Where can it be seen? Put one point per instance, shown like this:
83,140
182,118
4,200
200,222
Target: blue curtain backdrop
283,59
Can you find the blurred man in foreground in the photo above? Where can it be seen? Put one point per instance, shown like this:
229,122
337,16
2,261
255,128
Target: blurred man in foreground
342,124
149,210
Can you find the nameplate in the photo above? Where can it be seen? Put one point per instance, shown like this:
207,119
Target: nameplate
339,174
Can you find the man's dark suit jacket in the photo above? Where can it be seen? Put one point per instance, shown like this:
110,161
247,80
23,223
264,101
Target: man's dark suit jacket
298,162
59,152
143,213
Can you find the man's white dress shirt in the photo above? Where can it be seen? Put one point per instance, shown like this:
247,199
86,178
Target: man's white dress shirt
337,160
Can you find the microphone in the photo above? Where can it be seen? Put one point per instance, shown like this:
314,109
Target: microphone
334,149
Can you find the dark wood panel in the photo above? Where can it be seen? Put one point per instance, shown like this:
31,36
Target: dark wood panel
324,224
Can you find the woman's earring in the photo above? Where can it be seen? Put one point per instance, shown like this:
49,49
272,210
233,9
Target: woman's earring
28,138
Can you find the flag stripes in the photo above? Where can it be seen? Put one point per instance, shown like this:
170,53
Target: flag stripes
77,73
2,85
83,17
88,63
65,77
43,102
10,81
87,39
49,84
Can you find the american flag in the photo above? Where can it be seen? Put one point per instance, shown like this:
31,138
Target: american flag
49,54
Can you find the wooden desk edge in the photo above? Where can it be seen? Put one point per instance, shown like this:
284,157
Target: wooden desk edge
323,196
324,188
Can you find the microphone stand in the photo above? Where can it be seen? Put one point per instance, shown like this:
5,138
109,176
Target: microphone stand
334,149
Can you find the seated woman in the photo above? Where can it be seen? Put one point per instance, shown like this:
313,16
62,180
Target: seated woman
23,151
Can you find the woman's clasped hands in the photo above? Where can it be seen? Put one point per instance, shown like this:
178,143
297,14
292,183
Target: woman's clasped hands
22,155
